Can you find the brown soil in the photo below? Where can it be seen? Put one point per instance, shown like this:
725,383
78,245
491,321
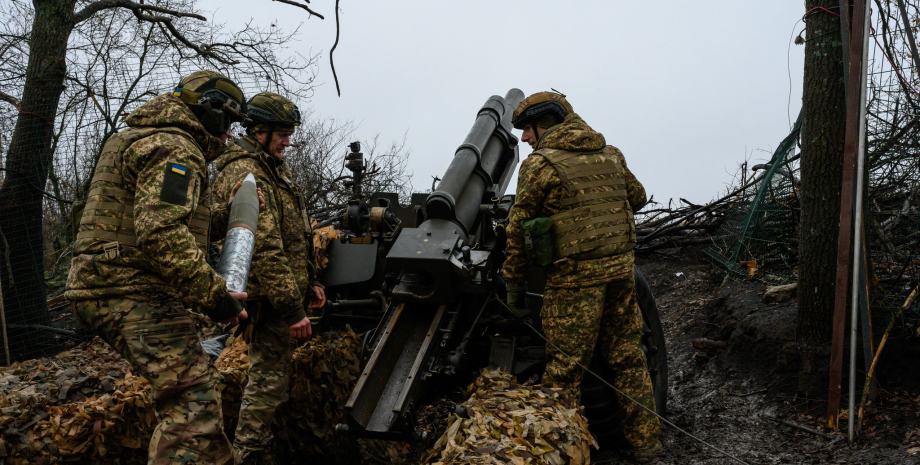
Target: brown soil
736,399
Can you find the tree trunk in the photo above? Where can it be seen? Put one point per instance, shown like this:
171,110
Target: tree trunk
823,128
28,163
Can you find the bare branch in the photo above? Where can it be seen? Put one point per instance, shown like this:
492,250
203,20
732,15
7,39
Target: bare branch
290,2
336,44
178,35
9,99
100,5
139,11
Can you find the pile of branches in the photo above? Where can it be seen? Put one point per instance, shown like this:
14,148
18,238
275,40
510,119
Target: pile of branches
893,234
687,223
679,226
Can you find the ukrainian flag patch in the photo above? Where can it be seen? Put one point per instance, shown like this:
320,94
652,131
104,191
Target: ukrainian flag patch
177,92
176,183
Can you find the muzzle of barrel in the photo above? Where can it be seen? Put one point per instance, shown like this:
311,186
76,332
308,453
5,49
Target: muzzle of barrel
476,164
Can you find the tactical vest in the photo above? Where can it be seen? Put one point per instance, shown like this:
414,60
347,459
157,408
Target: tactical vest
596,220
107,222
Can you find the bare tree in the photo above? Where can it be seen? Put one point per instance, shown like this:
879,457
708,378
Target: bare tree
824,105
69,69
317,161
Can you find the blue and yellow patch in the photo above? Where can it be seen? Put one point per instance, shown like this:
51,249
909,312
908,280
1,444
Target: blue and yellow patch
176,183
177,92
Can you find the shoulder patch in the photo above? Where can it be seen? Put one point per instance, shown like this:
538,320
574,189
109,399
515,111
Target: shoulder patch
175,184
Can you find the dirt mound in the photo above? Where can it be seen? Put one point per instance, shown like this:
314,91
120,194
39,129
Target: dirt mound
743,398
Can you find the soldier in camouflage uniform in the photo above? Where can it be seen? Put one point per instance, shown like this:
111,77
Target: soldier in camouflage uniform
282,276
140,259
582,185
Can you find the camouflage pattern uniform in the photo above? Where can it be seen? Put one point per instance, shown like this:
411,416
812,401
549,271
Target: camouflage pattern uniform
280,280
139,262
590,298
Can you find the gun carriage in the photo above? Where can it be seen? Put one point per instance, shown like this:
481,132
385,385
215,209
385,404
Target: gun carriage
422,282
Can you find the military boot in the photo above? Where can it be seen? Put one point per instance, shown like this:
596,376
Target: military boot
647,455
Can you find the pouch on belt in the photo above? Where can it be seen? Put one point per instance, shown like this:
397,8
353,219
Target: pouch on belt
538,241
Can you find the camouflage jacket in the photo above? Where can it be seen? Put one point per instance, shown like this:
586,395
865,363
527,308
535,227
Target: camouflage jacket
166,260
539,193
282,264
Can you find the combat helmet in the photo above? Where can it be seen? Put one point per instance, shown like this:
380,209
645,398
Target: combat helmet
215,100
544,109
269,112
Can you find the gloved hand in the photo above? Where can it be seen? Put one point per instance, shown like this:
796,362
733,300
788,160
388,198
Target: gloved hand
246,327
516,303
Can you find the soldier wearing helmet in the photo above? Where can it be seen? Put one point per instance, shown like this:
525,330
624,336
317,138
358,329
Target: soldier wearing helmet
581,186
140,259
282,279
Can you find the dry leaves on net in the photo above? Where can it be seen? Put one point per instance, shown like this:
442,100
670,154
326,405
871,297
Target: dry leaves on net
85,406
510,423
322,237
325,370
82,405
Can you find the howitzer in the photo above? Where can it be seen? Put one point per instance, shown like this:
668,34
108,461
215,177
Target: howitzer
424,280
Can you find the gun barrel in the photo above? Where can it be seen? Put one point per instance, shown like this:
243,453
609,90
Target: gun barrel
481,162
236,256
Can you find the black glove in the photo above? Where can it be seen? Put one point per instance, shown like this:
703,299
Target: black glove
246,327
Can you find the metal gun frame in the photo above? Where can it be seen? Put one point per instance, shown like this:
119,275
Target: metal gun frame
422,281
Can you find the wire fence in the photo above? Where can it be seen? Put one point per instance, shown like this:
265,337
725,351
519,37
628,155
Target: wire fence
893,223
758,238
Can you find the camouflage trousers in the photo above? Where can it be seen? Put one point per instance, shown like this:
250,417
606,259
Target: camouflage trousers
574,321
157,337
270,354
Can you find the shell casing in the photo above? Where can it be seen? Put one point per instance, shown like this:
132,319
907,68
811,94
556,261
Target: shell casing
236,258
236,255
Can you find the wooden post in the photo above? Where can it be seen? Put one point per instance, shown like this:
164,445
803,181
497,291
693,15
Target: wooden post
858,37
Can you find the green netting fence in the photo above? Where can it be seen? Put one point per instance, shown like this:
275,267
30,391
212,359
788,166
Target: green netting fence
759,237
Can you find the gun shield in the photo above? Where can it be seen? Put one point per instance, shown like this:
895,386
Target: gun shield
236,256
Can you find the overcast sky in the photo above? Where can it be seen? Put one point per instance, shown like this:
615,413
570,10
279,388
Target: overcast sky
684,89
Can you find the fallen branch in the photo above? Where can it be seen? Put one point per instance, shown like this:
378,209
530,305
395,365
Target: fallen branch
878,352
804,428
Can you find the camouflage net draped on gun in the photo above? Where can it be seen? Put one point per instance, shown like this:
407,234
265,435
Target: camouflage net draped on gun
514,423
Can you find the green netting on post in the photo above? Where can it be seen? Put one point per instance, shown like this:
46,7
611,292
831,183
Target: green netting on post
759,237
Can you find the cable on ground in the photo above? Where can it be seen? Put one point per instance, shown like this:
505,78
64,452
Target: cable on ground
599,377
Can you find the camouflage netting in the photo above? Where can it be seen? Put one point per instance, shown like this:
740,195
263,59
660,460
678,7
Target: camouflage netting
325,371
85,406
510,423
81,406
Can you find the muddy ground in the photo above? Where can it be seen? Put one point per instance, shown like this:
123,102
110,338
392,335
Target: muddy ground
736,399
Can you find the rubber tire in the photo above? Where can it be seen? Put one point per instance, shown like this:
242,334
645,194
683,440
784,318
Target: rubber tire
602,409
